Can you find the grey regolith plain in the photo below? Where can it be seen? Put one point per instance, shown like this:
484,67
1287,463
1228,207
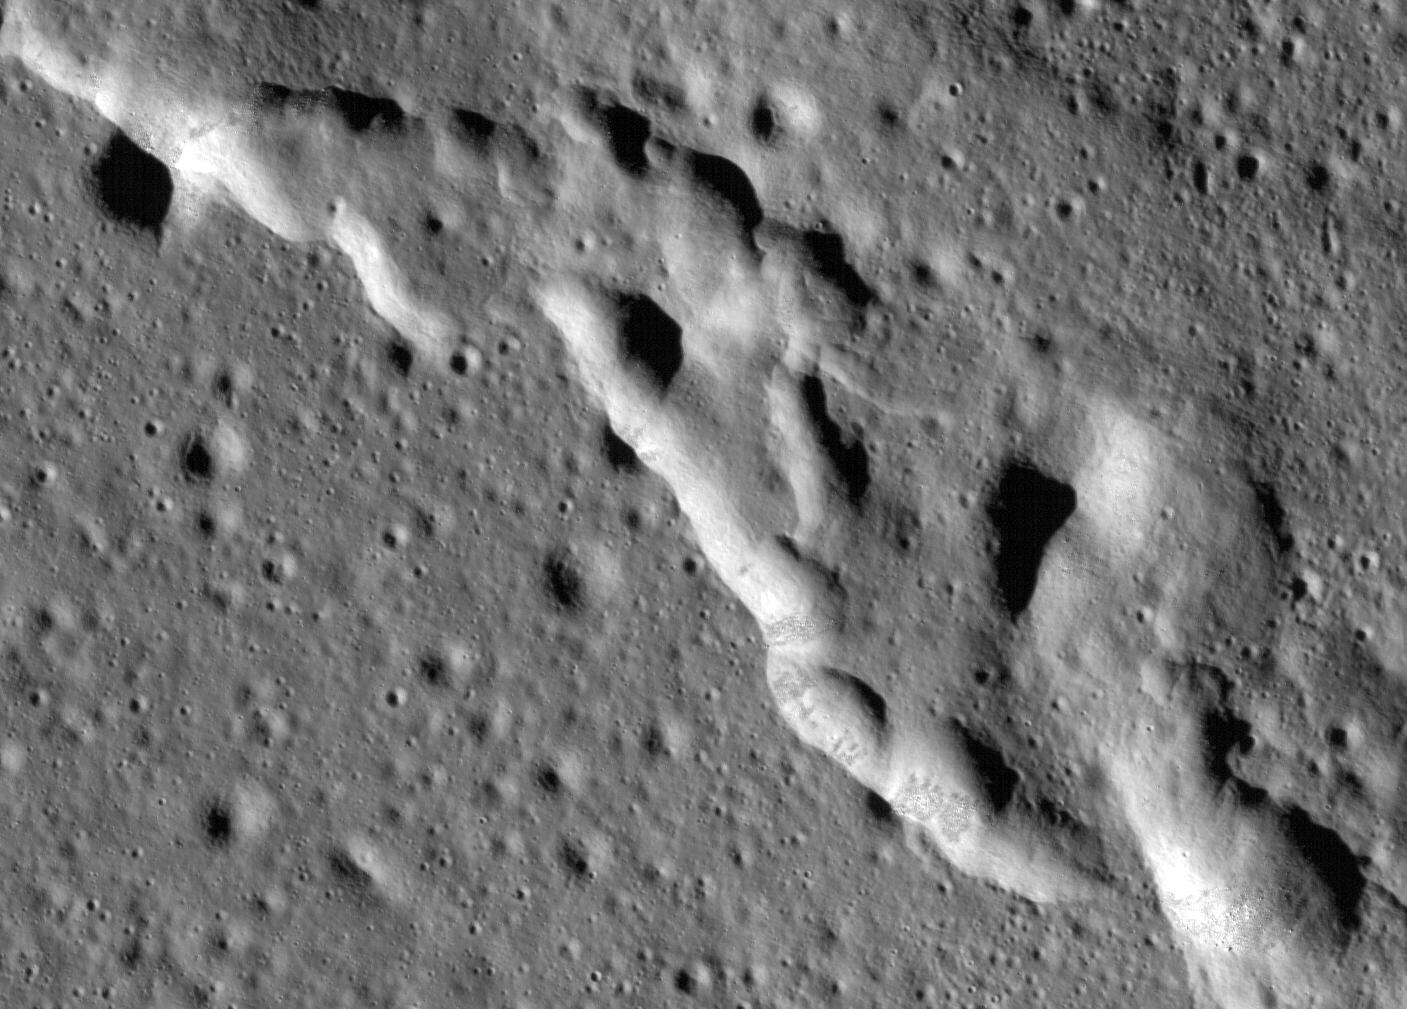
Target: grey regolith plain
746,505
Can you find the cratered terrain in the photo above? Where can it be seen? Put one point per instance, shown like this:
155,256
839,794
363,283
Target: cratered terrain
751,505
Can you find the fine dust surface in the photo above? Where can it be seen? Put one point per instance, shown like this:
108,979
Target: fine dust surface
585,505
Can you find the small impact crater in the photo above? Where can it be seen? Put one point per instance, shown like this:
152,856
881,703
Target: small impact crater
197,461
217,823
443,666
564,580
1318,176
1027,509
234,816
132,186
208,454
574,858
650,339
547,779
763,121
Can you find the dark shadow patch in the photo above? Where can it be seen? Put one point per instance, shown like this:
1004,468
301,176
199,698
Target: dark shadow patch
869,699
197,461
474,128
650,339
731,184
206,524
879,809
574,859
358,112
563,581
1272,512
401,357
475,124
547,779
133,187
626,133
485,136
847,456
224,388
270,95
654,741
1027,509
363,112
217,824
763,121
997,778
618,451
1202,177
1224,735
1333,862
435,668
826,251
1248,167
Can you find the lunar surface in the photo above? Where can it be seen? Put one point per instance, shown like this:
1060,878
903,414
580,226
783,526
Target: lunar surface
764,506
